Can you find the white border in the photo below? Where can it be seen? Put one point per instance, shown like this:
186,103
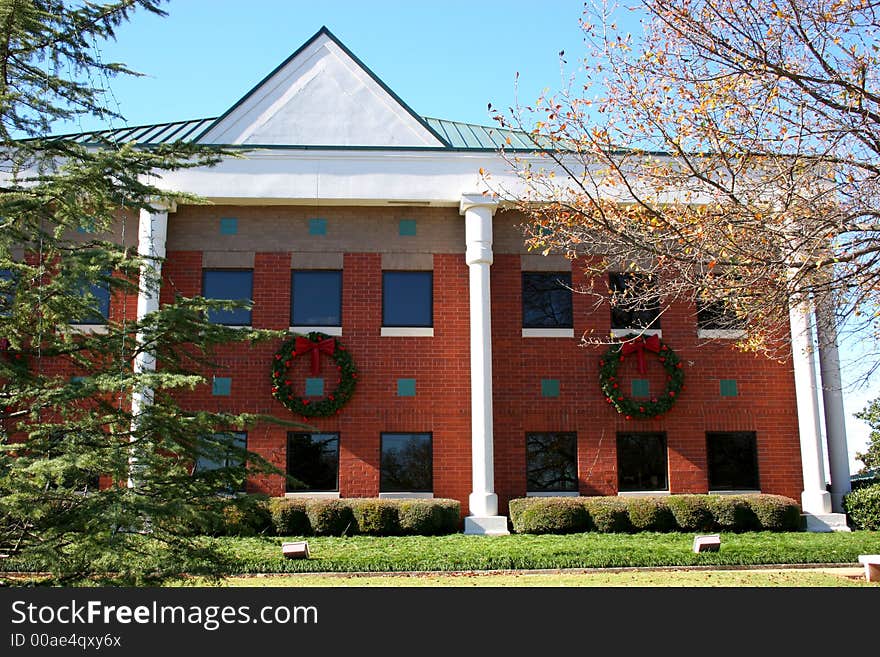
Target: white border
567,493
335,331
734,492
548,332
623,332
720,334
406,496
101,329
327,495
643,493
407,332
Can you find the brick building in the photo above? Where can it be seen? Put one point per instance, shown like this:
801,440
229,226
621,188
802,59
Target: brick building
355,218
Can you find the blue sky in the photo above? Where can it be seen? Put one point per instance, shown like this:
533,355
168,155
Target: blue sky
445,59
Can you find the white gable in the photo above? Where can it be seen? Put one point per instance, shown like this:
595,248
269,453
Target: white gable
321,96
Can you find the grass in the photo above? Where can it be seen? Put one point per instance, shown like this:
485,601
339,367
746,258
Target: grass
458,552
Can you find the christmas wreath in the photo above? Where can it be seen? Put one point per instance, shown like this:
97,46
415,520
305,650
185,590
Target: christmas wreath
314,344
639,346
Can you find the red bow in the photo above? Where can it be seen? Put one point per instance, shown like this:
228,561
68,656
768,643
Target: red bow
639,347
304,346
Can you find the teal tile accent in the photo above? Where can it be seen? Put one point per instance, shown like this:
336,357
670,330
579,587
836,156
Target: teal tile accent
549,387
317,226
407,227
728,388
406,387
228,226
77,379
222,386
640,388
87,225
314,387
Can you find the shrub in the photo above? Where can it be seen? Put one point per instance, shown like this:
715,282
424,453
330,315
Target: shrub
429,517
330,517
650,514
776,513
548,515
246,516
732,513
691,512
375,517
863,507
289,517
607,514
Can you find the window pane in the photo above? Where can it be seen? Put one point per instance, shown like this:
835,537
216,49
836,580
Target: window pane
630,305
551,462
224,450
715,315
407,463
546,299
641,462
407,297
313,461
100,293
732,460
317,298
235,285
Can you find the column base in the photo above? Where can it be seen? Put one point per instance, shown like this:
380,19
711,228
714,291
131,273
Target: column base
482,505
816,502
486,525
826,522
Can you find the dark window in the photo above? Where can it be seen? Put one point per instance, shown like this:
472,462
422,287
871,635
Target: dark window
632,304
732,458
641,462
316,298
231,284
551,462
406,463
717,315
312,462
226,452
546,299
97,296
407,298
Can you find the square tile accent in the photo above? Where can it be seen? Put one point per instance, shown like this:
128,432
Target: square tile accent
641,388
406,387
728,388
221,386
228,226
549,387
87,225
407,227
317,226
77,379
315,387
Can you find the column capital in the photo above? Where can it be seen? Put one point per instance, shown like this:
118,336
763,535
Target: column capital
477,200
161,205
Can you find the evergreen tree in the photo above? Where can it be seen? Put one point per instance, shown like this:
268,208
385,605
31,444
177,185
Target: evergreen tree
871,415
69,442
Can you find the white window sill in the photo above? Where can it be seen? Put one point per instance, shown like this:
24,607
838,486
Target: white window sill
623,332
643,493
407,332
734,492
567,493
335,331
240,327
720,334
406,496
548,332
328,495
90,328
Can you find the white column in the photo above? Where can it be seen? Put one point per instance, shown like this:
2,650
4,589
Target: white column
832,399
152,233
484,519
814,498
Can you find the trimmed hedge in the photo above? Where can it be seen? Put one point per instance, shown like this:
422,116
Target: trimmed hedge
686,513
371,516
863,507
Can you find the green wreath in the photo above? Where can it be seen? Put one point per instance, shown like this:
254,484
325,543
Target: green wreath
632,408
313,344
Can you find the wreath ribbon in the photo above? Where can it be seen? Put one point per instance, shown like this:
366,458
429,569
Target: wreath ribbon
304,346
639,347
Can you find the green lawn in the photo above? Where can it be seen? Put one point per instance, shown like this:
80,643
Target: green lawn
458,552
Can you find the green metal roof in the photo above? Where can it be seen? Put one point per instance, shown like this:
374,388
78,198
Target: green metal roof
455,135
